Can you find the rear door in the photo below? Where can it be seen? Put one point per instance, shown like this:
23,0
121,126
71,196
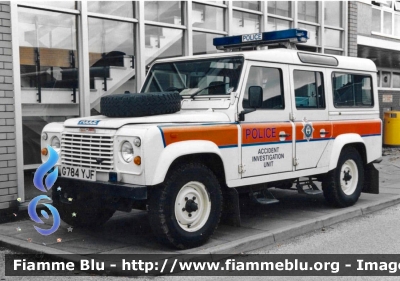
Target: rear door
267,142
313,130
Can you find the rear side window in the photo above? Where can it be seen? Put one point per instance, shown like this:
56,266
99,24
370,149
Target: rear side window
352,90
309,89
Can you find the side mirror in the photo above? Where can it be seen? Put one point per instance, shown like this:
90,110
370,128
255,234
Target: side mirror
255,96
255,101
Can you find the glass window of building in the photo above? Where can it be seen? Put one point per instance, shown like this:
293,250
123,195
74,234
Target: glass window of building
49,79
163,11
277,24
245,23
333,13
313,31
251,5
55,4
333,38
280,8
203,43
396,80
208,17
386,77
376,20
308,11
111,50
162,42
386,18
397,24
115,8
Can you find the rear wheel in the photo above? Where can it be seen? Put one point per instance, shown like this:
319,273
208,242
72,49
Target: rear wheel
185,210
343,185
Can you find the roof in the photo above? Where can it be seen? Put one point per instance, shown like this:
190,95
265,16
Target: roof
288,56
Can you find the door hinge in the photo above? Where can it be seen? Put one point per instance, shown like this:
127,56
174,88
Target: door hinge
295,161
292,117
241,169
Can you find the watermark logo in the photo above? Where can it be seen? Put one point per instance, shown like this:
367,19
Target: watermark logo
48,169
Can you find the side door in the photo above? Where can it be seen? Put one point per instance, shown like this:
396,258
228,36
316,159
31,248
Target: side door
310,112
267,133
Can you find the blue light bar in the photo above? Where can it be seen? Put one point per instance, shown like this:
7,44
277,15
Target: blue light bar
293,35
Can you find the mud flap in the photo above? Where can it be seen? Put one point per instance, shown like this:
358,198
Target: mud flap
371,180
231,210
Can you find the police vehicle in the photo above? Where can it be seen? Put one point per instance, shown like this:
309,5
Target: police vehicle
205,128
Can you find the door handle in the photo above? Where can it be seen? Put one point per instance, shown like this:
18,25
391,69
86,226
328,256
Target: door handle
324,133
284,135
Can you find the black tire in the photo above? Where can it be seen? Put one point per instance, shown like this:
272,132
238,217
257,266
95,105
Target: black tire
136,105
165,198
338,190
89,212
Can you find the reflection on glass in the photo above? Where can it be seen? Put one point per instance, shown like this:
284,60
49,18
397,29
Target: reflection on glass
49,68
313,33
116,8
162,42
203,43
280,8
333,13
396,80
277,24
58,4
333,38
308,11
387,23
386,79
163,11
208,17
376,20
245,23
110,45
251,5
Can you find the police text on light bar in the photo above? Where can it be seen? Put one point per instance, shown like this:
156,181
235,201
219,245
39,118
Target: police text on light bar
293,35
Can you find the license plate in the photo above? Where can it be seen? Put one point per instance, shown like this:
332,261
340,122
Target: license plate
78,173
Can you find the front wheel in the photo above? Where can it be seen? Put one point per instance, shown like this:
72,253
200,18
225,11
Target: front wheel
343,185
185,210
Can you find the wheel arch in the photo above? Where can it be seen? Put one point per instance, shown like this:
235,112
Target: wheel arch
205,152
347,140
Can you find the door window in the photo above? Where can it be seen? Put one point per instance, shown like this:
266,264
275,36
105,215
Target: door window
270,80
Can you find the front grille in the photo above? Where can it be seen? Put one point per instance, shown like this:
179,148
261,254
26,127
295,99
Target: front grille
87,151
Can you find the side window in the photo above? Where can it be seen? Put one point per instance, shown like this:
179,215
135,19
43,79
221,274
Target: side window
309,89
270,79
352,90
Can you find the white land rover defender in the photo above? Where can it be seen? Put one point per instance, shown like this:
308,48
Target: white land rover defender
205,128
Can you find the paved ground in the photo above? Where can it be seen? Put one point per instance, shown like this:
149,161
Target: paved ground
264,225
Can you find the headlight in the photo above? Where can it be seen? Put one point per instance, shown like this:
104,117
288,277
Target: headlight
127,151
55,142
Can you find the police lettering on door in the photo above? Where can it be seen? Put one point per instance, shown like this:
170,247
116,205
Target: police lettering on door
267,154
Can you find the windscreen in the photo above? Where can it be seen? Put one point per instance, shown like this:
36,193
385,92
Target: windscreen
218,76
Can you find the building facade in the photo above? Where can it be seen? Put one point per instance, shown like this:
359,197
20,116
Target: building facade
57,59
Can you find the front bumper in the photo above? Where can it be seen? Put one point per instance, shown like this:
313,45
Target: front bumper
107,189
